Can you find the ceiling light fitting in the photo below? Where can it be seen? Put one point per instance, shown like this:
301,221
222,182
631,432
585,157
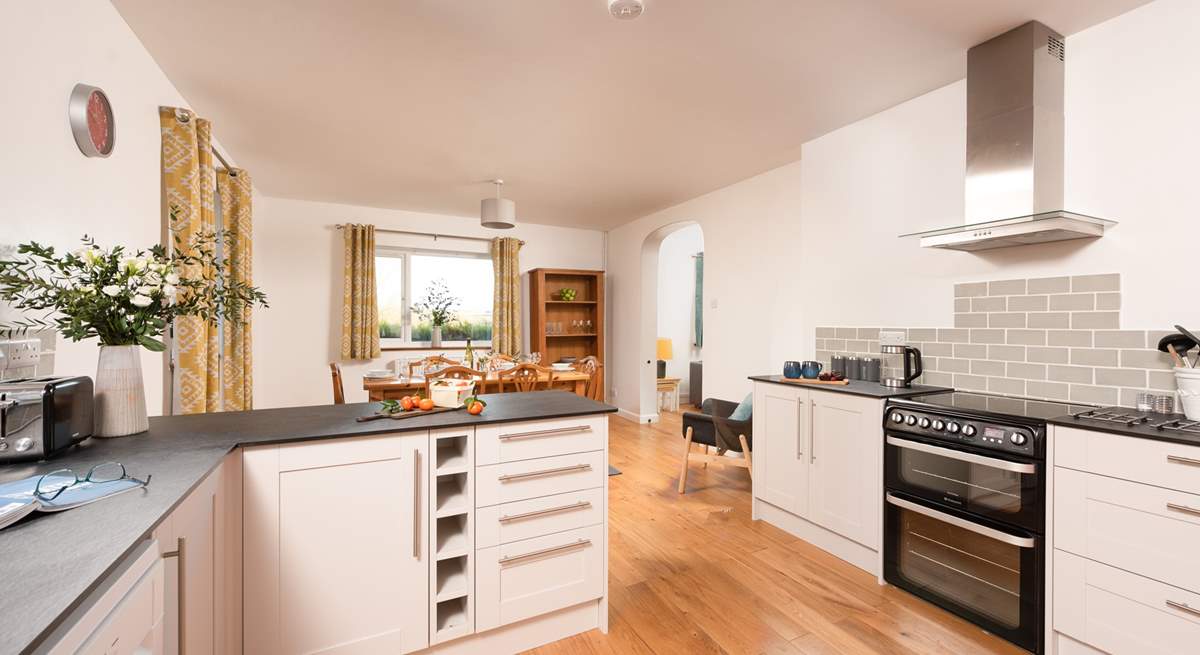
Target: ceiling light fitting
626,9
498,213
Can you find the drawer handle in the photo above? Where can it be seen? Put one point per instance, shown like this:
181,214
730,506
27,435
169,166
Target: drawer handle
536,474
545,433
180,555
1183,607
1184,508
542,512
1179,459
417,505
546,551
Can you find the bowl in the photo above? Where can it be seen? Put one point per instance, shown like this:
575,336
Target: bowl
561,366
378,373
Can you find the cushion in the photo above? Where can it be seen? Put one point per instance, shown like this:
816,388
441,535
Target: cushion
743,411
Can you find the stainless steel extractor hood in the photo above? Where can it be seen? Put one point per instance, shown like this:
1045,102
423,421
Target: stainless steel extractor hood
1014,193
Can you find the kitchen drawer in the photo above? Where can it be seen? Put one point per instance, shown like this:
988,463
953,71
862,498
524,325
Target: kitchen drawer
511,442
530,478
535,576
1148,530
1159,463
523,519
1122,613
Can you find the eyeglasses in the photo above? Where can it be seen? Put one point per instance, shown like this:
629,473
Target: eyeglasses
56,482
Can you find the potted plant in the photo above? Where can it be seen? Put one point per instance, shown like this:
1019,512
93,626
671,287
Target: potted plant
438,308
126,299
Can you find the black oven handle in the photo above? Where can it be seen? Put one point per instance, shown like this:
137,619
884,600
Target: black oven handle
1012,540
963,456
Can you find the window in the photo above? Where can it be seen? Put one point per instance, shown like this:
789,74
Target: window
402,279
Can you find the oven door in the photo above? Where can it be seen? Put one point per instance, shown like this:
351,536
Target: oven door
989,576
1009,491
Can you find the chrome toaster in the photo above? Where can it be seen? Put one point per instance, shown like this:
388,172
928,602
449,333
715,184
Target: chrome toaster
40,417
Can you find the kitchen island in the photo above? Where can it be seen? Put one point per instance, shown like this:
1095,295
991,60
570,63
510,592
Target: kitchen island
199,466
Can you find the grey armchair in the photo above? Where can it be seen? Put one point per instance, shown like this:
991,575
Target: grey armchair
711,427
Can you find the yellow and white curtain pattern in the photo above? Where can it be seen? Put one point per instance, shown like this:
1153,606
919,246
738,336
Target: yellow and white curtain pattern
506,302
233,186
187,178
360,311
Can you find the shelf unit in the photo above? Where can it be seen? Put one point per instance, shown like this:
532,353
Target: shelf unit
451,535
546,307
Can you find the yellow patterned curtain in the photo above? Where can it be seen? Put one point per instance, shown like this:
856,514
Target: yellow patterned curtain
360,311
233,186
188,189
506,301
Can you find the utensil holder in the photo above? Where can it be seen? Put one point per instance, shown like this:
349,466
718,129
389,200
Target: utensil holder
1188,381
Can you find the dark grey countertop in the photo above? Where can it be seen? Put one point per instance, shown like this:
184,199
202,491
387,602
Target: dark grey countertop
50,562
857,387
1139,431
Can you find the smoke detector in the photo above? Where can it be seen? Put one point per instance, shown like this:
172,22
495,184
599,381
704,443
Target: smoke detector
626,9
498,213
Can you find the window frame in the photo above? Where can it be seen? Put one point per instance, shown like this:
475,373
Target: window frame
405,254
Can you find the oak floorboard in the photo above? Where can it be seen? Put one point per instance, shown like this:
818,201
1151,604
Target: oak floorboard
693,573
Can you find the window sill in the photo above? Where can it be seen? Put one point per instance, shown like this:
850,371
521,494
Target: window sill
443,347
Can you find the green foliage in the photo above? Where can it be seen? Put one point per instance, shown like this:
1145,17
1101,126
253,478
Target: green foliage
456,331
438,304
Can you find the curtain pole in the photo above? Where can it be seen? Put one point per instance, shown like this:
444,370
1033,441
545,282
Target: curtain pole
435,235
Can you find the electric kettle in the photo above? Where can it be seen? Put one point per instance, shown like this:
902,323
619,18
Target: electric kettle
911,356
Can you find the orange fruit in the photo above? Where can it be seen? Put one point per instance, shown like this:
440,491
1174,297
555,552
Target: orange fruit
475,408
406,403
426,404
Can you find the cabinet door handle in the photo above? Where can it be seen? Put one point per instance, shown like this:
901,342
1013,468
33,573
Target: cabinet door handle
1184,508
545,433
1183,607
542,512
180,555
556,471
1179,459
417,505
545,551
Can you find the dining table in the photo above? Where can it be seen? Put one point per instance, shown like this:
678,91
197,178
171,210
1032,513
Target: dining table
394,388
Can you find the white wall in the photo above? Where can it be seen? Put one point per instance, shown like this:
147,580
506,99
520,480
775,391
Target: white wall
298,263
676,299
815,242
50,192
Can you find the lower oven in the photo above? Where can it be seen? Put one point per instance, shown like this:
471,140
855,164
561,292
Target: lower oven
986,572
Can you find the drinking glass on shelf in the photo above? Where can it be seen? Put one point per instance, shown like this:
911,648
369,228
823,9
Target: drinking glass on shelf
589,329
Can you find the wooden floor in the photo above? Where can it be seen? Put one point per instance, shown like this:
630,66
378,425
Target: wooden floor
694,574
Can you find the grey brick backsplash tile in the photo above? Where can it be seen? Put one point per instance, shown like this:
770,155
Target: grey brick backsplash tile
987,367
1027,371
1108,300
1162,380
1099,395
1006,288
873,346
868,333
1074,374
837,345
970,320
970,351
1073,302
1027,337
949,365
922,334
1107,282
1095,320
987,336
823,356
1047,355
938,349
1006,386
936,378
931,362
970,289
1153,337
954,335
1094,357
819,344
1050,390
962,304
989,304
1028,303
1077,338
856,346
1006,320
1006,353
970,382
1049,320
1049,285
1120,339
1129,397
1121,377
826,332
847,333
1151,359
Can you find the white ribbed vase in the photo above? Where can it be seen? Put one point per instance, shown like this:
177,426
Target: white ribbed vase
120,393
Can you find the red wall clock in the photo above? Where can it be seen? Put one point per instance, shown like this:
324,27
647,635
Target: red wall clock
91,121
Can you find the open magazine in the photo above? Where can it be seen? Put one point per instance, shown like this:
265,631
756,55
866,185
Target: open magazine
17,499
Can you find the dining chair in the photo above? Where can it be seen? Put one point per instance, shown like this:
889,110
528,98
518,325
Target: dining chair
591,366
432,360
456,373
339,394
526,377
497,358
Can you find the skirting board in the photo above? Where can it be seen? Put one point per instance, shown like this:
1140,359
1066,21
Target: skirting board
527,634
830,542
637,418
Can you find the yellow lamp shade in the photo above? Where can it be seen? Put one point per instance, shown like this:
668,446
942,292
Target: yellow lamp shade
664,349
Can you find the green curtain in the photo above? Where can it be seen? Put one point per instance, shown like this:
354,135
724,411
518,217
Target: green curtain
698,340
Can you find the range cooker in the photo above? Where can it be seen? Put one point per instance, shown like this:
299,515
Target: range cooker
964,508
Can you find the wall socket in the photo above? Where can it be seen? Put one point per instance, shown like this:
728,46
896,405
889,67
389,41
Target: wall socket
21,355
891,337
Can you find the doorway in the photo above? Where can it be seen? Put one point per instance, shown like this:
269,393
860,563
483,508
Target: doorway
672,330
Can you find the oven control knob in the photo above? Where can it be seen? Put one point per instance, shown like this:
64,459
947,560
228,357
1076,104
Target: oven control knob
910,420
897,417
952,427
23,444
939,425
3,445
968,430
924,422
1018,439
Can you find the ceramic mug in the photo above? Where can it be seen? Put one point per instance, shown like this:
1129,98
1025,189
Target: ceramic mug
811,369
791,370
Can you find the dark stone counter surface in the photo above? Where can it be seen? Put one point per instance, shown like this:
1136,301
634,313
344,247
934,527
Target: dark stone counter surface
857,387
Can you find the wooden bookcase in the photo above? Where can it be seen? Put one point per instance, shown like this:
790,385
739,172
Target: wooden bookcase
546,308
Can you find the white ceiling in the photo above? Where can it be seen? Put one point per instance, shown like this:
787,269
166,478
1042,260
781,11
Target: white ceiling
593,122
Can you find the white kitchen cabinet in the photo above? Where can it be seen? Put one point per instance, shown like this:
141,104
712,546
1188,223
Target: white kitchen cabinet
335,547
844,466
782,431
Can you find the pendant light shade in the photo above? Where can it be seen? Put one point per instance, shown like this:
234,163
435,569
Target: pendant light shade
497,213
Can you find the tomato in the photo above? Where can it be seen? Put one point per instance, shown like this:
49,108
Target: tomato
475,408
426,404
406,403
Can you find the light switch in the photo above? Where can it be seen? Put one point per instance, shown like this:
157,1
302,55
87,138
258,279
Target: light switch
713,303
